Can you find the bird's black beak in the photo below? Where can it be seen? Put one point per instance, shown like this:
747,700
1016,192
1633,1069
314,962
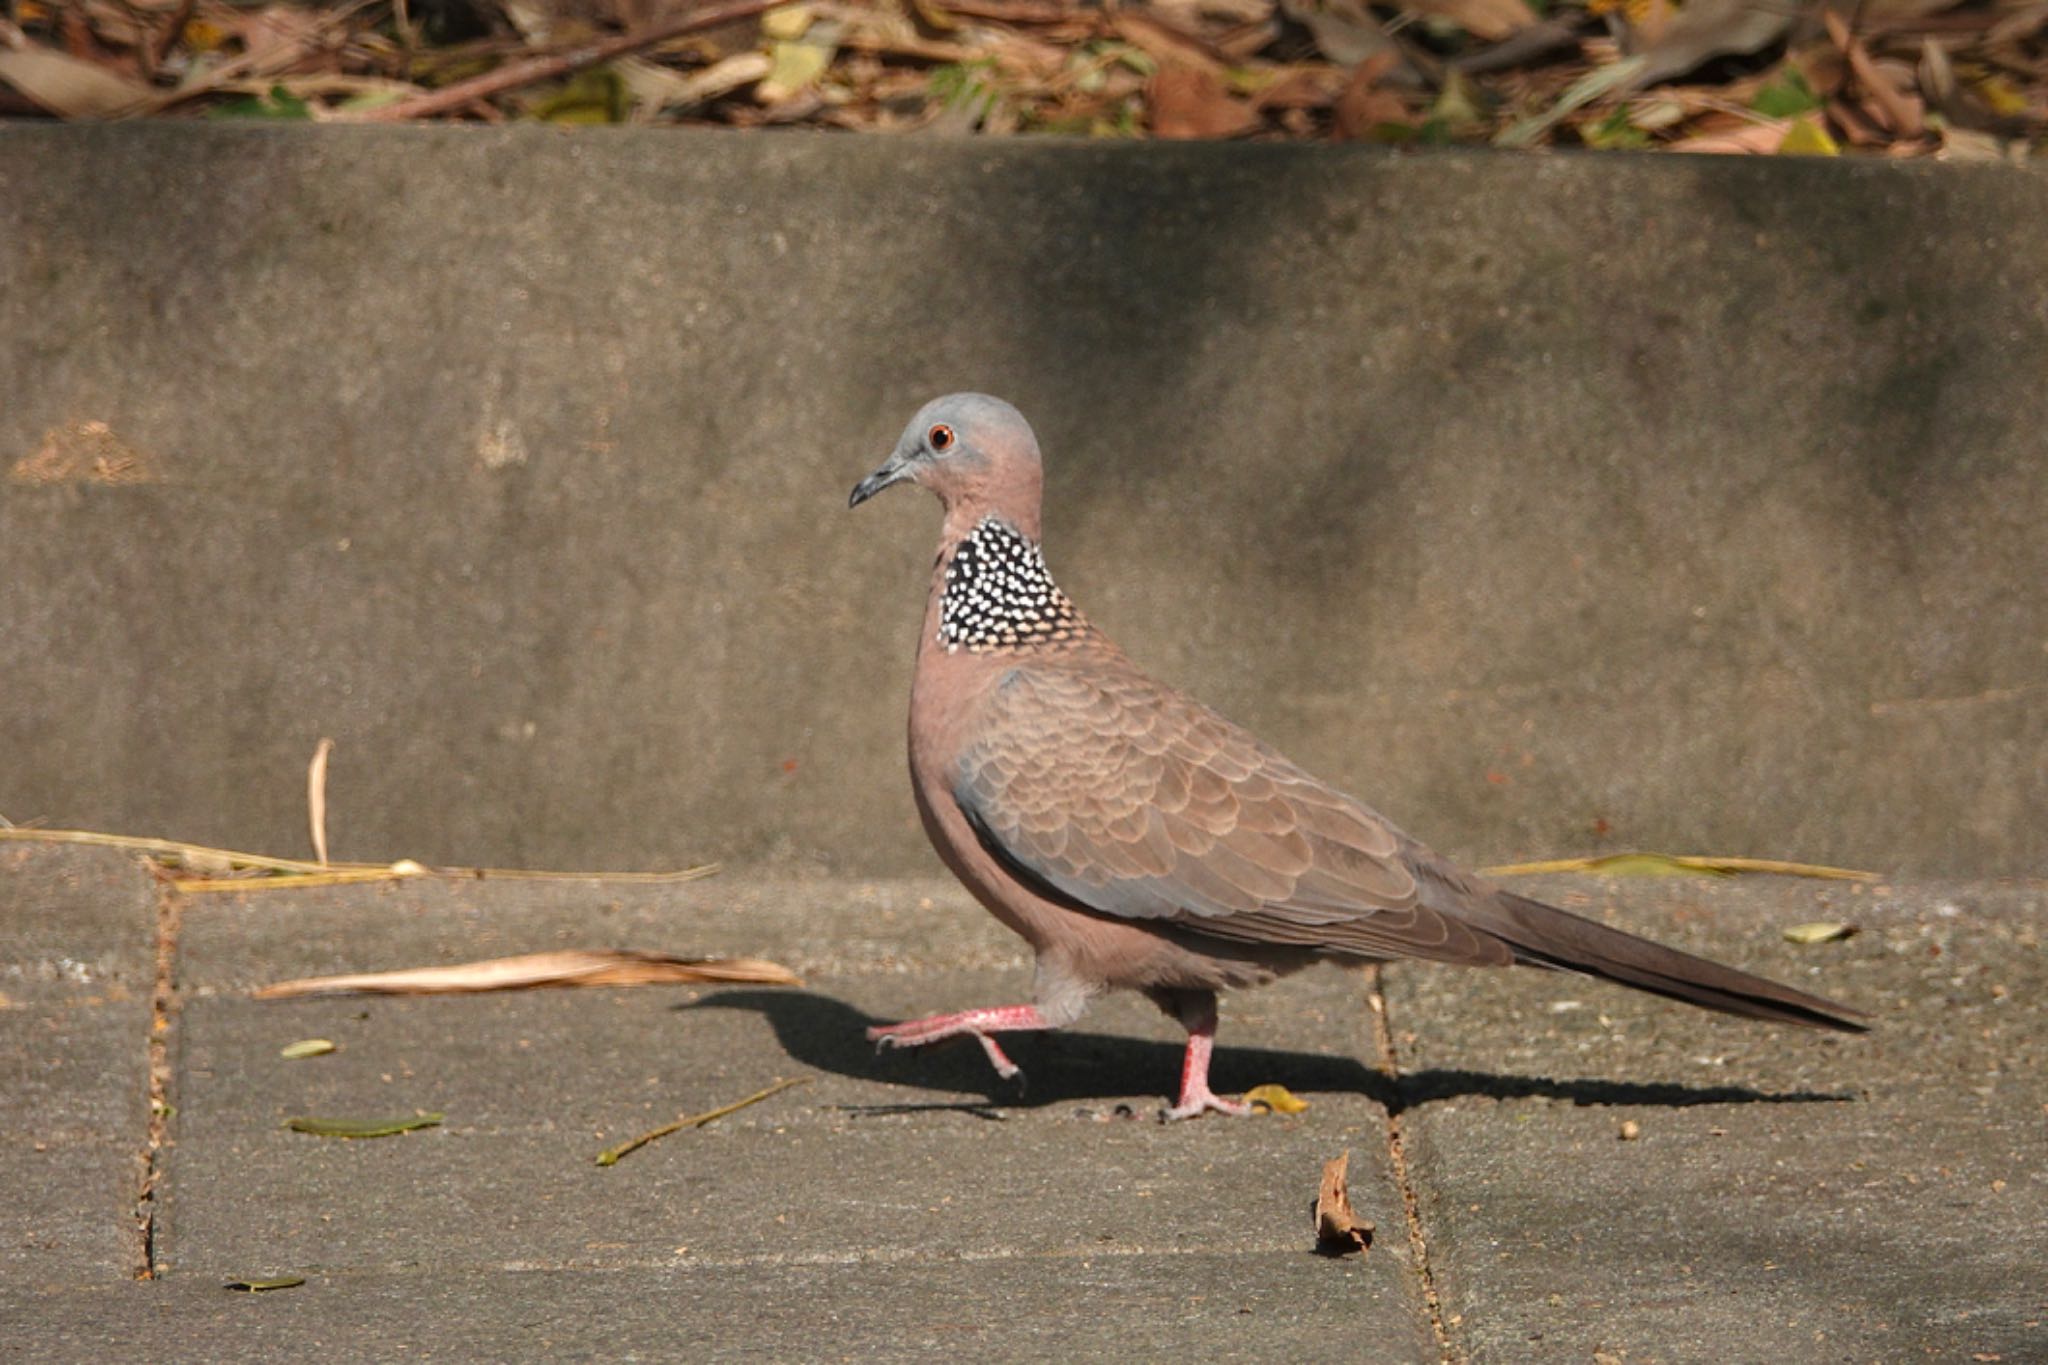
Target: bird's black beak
895,469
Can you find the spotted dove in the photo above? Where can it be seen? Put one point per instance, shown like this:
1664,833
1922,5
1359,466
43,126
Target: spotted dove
1138,840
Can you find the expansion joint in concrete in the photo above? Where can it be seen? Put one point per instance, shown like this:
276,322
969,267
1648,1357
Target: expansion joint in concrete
162,1019
1397,1159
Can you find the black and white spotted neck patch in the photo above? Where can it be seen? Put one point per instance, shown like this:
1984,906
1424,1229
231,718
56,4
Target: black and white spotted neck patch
998,594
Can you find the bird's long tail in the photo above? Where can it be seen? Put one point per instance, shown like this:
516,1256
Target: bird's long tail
1543,935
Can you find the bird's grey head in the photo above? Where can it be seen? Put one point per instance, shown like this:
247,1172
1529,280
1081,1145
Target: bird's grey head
965,447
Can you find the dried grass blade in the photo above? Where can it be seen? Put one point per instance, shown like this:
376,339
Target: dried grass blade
571,967
1692,862
610,1156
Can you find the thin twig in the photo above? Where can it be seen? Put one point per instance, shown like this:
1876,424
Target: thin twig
513,75
610,1156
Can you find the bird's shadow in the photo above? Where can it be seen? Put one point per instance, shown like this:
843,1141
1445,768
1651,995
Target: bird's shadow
1066,1066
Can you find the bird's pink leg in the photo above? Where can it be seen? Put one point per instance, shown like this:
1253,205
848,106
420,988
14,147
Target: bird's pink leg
977,1023
1195,1095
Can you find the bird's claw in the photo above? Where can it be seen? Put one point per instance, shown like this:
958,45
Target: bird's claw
1194,1106
909,1035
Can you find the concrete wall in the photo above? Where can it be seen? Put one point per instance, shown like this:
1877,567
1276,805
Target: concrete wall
1551,504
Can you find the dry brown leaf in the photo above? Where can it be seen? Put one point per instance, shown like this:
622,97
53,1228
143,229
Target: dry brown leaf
1345,31
70,86
1363,106
1888,106
1303,87
720,78
278,36
1705,29
1746,139
2019,24
1868,11
1189,102
1488,20
1168,45
1339,1231
84,453
1966,144
1189,14
1024,58
1016,11
569,967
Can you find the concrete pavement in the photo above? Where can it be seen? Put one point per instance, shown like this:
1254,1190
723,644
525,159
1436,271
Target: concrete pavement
1576,502
1787,1195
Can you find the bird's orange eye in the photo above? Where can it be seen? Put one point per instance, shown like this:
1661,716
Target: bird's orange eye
940,437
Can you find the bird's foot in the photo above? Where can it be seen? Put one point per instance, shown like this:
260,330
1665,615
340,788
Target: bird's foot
1193,1104
971,1023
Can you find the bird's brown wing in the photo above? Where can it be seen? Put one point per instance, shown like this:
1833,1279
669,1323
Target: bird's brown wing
1129,799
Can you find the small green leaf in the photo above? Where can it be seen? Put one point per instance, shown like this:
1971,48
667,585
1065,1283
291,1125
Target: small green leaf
1788,96
259,1286
280,103
1616,132
1819,931
361,1128
306,1047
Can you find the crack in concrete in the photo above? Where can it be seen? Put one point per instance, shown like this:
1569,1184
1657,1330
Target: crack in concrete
1397,1158
162,1013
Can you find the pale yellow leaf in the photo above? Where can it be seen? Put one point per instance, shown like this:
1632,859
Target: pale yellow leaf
70,86
786,23
792,68
1278,1098
1819,931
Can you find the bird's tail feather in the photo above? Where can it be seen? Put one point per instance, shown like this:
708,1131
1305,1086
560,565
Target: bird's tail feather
1544,935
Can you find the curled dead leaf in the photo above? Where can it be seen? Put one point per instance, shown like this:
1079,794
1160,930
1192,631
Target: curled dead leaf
1339,1231
261,1286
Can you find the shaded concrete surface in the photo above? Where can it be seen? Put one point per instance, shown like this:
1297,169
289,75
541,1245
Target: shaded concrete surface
1884,1192
1853,1199
77,966
1691,500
